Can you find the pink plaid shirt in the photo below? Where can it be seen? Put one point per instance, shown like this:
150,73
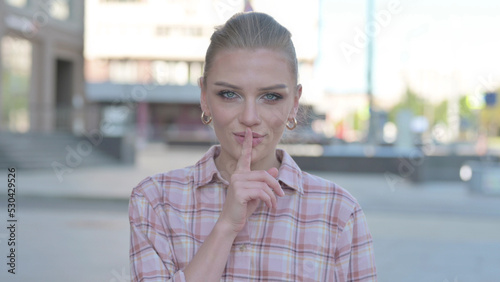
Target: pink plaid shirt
318,232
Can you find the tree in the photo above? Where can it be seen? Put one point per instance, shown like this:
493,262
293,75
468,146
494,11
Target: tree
410,101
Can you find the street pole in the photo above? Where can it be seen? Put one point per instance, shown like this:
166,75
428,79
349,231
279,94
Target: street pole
371,137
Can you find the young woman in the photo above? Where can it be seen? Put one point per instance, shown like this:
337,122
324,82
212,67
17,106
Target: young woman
245,211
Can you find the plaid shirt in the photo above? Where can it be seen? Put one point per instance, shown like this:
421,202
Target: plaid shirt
318,232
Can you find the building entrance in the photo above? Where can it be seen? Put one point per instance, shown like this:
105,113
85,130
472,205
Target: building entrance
64,94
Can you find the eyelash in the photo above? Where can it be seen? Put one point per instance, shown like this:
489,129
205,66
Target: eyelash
224,93
275,96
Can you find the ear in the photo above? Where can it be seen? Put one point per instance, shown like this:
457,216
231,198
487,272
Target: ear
298,94
203,97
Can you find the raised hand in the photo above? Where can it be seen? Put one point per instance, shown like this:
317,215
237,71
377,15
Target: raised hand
247,188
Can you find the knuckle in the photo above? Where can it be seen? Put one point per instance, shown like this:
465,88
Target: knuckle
257,174
263,186
237,184
262,173
236,177
264,195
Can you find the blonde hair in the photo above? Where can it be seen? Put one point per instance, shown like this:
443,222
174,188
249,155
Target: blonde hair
251,30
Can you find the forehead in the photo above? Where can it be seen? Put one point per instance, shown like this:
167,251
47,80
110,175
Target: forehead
243,66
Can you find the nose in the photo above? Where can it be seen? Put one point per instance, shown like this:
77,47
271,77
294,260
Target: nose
250,115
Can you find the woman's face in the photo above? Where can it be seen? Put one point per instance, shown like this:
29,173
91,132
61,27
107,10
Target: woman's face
254,89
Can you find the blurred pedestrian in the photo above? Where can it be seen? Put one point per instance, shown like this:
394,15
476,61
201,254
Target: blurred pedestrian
245,211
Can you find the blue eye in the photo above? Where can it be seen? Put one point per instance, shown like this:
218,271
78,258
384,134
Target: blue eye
225,94
272,97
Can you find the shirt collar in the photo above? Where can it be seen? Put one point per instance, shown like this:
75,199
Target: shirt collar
289,173
206,171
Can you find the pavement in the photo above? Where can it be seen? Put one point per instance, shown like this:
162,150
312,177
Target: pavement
75,227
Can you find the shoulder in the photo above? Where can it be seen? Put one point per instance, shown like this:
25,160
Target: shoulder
313,187
175,185
174,181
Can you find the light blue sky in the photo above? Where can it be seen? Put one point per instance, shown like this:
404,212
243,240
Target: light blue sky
457,40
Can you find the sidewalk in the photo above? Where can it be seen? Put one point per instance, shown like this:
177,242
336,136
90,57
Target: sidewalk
107,182
435,231
373,191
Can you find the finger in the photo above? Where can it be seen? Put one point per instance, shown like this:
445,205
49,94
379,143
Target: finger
273,172
262,194
266,177
277,188
259,176
269,191
251,186
245,159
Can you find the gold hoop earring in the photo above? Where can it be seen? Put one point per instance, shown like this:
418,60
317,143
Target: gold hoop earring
204,119
291,127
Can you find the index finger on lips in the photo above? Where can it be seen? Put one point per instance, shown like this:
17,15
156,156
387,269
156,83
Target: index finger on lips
245,159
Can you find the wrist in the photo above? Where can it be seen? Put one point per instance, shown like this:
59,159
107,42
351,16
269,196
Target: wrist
225,230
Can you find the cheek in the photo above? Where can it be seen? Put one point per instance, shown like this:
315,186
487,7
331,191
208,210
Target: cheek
221,116
277,119
223,120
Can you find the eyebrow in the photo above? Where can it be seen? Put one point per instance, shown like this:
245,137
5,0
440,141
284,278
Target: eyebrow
272,87
221,83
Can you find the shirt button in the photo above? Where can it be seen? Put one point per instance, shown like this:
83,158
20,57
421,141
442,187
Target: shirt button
243,248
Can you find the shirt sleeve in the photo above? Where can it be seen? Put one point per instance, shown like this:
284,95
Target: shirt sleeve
354,254
151,256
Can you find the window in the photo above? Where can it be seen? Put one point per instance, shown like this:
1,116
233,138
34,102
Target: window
60,9
195,72
16,76
179,31
123,71
173,73
17,3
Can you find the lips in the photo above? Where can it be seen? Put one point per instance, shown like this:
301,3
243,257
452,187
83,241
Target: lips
254,134
256,138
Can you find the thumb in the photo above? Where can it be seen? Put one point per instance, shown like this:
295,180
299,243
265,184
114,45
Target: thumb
273,172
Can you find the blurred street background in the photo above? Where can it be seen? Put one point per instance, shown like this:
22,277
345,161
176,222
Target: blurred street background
78,230
400,106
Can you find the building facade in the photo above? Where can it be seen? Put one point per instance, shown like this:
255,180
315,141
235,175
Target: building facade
143,58
42,86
